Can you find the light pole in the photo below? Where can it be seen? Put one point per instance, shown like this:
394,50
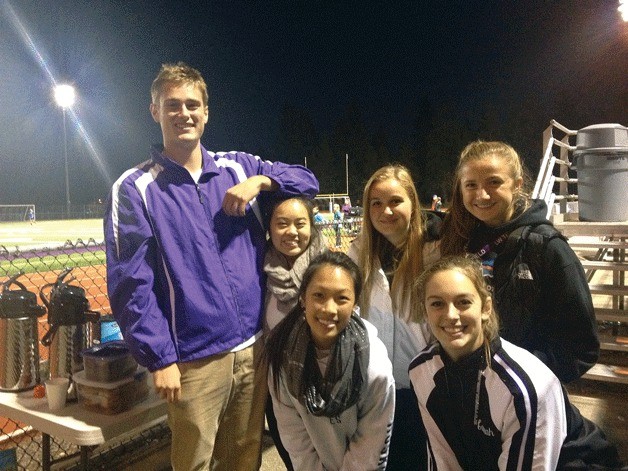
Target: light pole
65,96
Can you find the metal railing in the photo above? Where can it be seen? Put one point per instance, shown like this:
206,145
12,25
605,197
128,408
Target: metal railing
546,179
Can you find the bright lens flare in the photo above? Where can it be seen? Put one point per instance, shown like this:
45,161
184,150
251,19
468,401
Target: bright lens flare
623,9
65,95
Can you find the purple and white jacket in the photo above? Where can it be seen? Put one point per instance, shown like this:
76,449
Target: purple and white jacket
185,280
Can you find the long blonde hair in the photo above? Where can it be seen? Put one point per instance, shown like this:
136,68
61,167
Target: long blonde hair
459,222
403,290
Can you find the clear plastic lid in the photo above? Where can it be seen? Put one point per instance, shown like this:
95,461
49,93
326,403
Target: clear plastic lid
81,379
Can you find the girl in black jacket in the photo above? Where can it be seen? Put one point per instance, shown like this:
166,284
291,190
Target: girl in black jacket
486,403
537,282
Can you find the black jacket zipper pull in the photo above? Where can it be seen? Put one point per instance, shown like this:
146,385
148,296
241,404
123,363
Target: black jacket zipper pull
200,194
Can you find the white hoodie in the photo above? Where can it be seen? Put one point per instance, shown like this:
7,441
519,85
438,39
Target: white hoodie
356,440
403,338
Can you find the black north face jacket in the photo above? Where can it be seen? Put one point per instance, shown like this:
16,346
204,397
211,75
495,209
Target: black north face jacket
541,292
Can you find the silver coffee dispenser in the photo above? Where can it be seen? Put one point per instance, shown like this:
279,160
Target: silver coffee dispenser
19,348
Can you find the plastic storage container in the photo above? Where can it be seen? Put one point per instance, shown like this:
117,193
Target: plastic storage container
601,159
109,361
114,397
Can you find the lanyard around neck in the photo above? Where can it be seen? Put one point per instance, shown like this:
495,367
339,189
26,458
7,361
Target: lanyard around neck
493,245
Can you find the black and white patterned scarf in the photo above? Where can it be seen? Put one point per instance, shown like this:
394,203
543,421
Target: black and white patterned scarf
346,372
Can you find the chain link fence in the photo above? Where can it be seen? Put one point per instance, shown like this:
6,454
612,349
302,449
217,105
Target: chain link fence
338,236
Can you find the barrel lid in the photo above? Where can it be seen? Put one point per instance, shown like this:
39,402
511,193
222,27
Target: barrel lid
607,137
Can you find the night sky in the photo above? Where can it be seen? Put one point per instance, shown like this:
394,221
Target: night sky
564,60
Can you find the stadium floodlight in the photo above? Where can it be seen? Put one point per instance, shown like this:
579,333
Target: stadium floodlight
623,9
65,97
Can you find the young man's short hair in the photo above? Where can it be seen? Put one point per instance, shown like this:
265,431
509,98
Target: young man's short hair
178,73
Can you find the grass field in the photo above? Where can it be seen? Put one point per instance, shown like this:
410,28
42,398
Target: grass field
49,233
42,266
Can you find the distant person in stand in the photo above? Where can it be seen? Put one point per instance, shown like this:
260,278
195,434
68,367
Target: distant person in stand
487,404
434,200
185,245
318,217
347,216
538,284
293,242
346,207
329,377
439,204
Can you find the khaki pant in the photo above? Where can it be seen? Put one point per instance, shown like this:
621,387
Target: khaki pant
220,418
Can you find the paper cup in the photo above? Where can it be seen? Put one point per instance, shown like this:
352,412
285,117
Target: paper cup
57,392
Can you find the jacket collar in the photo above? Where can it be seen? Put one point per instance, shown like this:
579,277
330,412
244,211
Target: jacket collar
157,155
474,361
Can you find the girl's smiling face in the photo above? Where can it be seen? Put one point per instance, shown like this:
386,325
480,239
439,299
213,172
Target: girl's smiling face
455,313
328,303
390,210
290,228
488,190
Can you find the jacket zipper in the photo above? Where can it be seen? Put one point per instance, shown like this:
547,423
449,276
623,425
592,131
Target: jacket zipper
198,191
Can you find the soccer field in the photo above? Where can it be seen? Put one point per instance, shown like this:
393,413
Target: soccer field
49,233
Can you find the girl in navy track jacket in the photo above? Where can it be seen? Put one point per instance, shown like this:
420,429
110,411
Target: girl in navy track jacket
486,403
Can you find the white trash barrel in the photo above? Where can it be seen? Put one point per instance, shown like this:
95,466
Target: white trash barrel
601,162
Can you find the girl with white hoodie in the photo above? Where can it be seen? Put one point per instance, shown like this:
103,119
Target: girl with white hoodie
329,376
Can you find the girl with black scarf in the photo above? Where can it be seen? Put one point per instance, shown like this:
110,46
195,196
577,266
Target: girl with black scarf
329,375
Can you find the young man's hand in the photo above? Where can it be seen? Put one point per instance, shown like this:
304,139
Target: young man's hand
168,382
238,196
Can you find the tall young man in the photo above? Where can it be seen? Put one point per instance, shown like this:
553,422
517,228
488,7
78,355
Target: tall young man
185,248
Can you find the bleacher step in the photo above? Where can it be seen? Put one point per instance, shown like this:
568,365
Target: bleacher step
607,373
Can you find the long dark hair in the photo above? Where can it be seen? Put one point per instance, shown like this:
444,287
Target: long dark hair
276,342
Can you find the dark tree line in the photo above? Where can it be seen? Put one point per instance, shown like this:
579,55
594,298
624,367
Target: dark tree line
438,131
430,149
